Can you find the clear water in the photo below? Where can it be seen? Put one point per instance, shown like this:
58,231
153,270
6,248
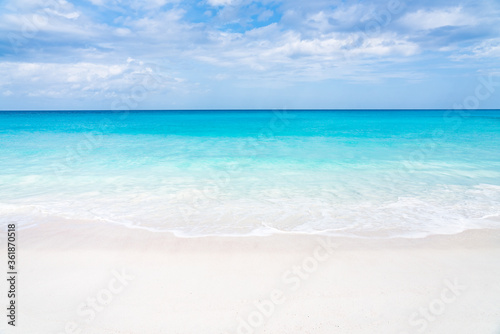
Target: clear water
194,173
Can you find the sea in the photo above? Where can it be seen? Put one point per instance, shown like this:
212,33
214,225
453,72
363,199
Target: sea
194,173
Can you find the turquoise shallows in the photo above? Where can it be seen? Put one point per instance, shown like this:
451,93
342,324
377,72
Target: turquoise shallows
368,173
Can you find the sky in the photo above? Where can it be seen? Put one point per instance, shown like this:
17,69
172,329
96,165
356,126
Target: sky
243,54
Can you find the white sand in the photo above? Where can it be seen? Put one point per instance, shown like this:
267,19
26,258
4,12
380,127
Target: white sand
440,284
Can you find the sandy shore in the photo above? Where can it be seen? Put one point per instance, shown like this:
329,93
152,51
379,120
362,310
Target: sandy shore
109,279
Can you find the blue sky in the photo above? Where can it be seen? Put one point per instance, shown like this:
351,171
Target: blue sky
170,54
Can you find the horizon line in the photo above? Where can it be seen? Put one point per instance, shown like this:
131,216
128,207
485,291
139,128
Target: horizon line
257,109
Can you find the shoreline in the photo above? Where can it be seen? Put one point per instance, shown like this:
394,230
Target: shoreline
77,231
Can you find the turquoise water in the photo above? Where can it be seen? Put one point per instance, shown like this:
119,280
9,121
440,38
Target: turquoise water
366,173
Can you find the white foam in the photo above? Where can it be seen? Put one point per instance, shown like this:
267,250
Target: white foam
443,210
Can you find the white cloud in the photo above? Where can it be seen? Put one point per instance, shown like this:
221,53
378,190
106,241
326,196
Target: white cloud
70,15
119,5
97,2
347,16
269,53
162,23
149,4
122,31
486,49
432,19
270,46
265,15
221,76
219,3
62,19
82,79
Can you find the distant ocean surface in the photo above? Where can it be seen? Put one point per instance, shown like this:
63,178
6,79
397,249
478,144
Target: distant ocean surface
369,173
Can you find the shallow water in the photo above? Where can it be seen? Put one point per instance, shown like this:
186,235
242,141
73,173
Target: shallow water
365,173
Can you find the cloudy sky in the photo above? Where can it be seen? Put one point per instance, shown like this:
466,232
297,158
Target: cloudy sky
172,54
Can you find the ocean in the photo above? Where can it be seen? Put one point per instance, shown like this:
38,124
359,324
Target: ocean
365,173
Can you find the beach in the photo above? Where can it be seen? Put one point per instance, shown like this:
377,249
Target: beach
245,222
103,278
